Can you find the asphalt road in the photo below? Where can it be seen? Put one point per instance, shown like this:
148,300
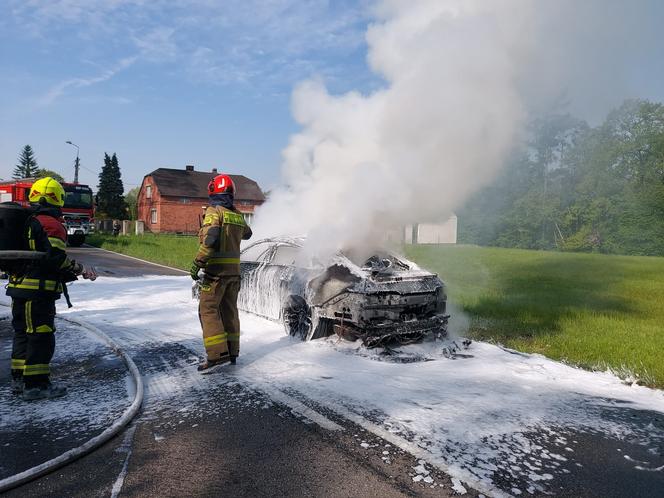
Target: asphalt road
116,265
241,444
237,441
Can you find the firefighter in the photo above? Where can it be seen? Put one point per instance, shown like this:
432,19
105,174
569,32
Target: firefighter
34,291
219,256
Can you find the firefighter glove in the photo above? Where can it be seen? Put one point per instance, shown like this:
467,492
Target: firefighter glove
194,271
77,268
90,273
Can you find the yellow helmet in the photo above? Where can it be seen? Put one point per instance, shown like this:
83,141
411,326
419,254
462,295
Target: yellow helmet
48,189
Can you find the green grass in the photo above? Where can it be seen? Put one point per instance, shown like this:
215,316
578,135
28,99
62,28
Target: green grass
590,310
594,311
170,250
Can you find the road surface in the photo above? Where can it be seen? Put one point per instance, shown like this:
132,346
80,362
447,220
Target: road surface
242,444
235,439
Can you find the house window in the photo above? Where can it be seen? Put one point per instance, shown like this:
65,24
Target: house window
248,217
153,216
185,200
148,192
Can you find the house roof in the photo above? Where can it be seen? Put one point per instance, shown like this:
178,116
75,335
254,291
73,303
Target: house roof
184,183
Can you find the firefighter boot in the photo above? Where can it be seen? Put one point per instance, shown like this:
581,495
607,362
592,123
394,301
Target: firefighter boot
209,366
17,385
45,391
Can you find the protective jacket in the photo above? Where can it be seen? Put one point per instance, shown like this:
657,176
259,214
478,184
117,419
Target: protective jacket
43,279
220,236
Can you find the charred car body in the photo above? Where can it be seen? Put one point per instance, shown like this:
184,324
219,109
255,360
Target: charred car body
381,299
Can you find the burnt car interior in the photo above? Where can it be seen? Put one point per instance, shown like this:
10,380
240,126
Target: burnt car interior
377,298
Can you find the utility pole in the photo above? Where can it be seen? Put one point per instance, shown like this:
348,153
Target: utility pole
77,163
76,166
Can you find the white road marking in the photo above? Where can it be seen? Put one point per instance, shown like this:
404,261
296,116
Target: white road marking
296,406
126,447
416,451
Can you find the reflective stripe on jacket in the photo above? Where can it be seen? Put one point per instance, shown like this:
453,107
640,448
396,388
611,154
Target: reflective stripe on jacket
45,233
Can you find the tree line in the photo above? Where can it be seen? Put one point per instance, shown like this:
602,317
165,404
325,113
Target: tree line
574,187
110,198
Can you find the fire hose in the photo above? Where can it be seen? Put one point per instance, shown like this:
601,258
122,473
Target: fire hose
94,443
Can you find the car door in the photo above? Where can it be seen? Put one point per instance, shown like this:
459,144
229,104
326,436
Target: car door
267,276
252,260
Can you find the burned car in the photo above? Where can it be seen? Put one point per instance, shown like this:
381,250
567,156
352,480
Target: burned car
381,299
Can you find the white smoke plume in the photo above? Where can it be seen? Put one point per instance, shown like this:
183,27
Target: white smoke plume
460,78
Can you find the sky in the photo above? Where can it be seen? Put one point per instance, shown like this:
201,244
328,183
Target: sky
165,84
202,82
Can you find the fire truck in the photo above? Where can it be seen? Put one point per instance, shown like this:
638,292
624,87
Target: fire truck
78,211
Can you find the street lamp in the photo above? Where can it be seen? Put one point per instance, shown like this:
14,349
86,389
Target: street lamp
76,164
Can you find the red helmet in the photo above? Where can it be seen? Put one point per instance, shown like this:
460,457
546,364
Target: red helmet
221,184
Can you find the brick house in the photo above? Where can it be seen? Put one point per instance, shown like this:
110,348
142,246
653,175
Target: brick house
172,200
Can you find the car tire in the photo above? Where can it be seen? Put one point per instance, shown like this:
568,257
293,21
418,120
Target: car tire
297,317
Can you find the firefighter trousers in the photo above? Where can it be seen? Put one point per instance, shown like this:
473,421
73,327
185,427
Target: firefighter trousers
217,310
34,339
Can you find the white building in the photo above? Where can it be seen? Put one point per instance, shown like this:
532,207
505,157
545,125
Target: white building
432,233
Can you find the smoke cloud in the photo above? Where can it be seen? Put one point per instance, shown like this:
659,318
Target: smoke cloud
461,78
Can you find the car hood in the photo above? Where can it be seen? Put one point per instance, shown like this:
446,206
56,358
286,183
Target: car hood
342,275
401,284
383,271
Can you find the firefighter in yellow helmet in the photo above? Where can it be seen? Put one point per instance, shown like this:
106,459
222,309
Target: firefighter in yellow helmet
219,256
34,290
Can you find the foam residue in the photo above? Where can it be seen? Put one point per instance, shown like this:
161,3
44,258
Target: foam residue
493,417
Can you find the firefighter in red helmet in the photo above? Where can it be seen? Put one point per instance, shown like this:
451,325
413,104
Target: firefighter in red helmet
218,255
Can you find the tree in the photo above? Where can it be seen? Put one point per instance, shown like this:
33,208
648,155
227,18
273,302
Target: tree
521,208
577,188
27,164
110,199
132,203
42,173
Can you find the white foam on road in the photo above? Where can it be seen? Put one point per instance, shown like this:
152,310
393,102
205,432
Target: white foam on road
298,407
90,403
473,414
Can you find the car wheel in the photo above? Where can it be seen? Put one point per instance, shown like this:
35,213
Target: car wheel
297,317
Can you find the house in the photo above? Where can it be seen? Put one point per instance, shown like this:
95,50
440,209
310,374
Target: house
172,200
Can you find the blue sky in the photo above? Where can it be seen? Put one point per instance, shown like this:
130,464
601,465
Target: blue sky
208,82
164,84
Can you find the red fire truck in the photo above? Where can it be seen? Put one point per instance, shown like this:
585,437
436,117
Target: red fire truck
78,211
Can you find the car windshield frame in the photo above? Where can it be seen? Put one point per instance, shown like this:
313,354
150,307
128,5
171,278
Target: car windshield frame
256,247
267,255
382,260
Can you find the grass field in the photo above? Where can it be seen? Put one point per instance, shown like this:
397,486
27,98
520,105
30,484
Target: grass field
590,310
170,250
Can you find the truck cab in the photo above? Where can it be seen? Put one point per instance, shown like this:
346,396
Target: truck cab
77,213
